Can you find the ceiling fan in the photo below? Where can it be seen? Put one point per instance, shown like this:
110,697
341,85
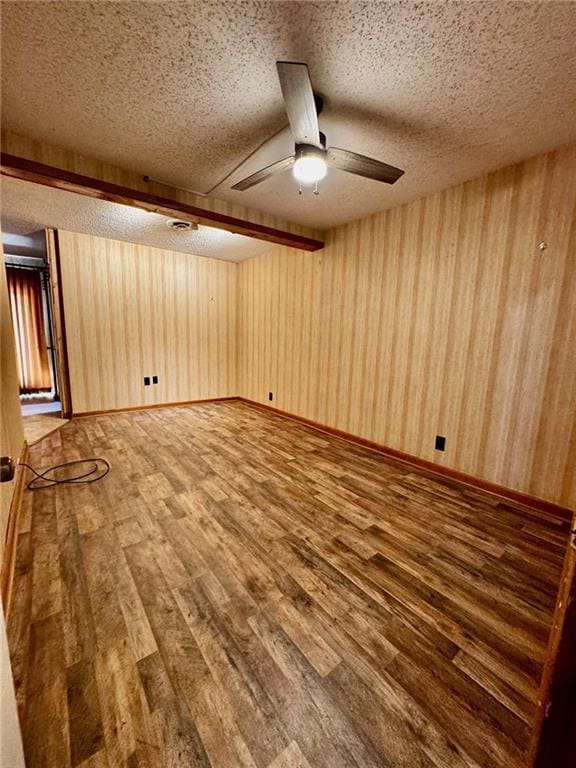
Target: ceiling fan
311,159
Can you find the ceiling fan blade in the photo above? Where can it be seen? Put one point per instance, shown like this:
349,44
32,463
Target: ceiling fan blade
299,101
363,166
265,173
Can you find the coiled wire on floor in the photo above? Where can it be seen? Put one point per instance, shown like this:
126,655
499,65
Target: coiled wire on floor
42,479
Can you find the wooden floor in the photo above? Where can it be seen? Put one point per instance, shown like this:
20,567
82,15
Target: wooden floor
244,591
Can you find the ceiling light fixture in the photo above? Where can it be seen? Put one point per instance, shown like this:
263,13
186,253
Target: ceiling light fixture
310,164
311,158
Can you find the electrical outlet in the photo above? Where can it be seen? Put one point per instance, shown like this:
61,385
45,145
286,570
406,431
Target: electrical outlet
270,395
154,379
440,443
146,381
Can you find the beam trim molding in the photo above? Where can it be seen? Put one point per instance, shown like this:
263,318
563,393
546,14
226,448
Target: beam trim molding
48,175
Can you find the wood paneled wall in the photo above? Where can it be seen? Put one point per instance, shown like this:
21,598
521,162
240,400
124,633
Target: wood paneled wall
442,316
133,311
439,317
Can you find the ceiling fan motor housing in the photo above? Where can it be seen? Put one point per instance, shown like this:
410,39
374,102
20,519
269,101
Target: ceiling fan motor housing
311,150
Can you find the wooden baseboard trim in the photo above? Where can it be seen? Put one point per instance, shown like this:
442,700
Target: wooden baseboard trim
152,406
507,494
11,540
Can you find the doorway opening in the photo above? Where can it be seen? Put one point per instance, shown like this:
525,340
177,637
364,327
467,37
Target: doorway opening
31,305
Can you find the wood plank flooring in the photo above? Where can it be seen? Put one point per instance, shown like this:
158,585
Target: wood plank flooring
244,592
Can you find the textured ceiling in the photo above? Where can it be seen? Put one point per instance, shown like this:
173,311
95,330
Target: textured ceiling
184,91
27,207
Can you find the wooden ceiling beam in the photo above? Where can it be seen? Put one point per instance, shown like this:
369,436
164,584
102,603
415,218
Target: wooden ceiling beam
29,170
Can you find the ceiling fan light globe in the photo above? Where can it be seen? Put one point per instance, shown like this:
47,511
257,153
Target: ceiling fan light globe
309,169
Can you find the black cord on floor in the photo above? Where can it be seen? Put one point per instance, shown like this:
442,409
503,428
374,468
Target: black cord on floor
99,469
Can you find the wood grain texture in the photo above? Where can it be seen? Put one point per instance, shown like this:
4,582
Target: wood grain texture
438,317
428,467
243,591
155,405
10,534
554,734
134,311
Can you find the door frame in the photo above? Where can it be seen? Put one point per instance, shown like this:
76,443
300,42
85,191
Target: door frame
61,349
554,732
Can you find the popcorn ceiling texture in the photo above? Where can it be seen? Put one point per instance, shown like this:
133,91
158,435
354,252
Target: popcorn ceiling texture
28,207
184,91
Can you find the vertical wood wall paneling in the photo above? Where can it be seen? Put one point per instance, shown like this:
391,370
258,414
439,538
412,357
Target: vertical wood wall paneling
134,311
442,316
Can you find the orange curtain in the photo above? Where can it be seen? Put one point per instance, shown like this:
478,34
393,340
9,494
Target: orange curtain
25,290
